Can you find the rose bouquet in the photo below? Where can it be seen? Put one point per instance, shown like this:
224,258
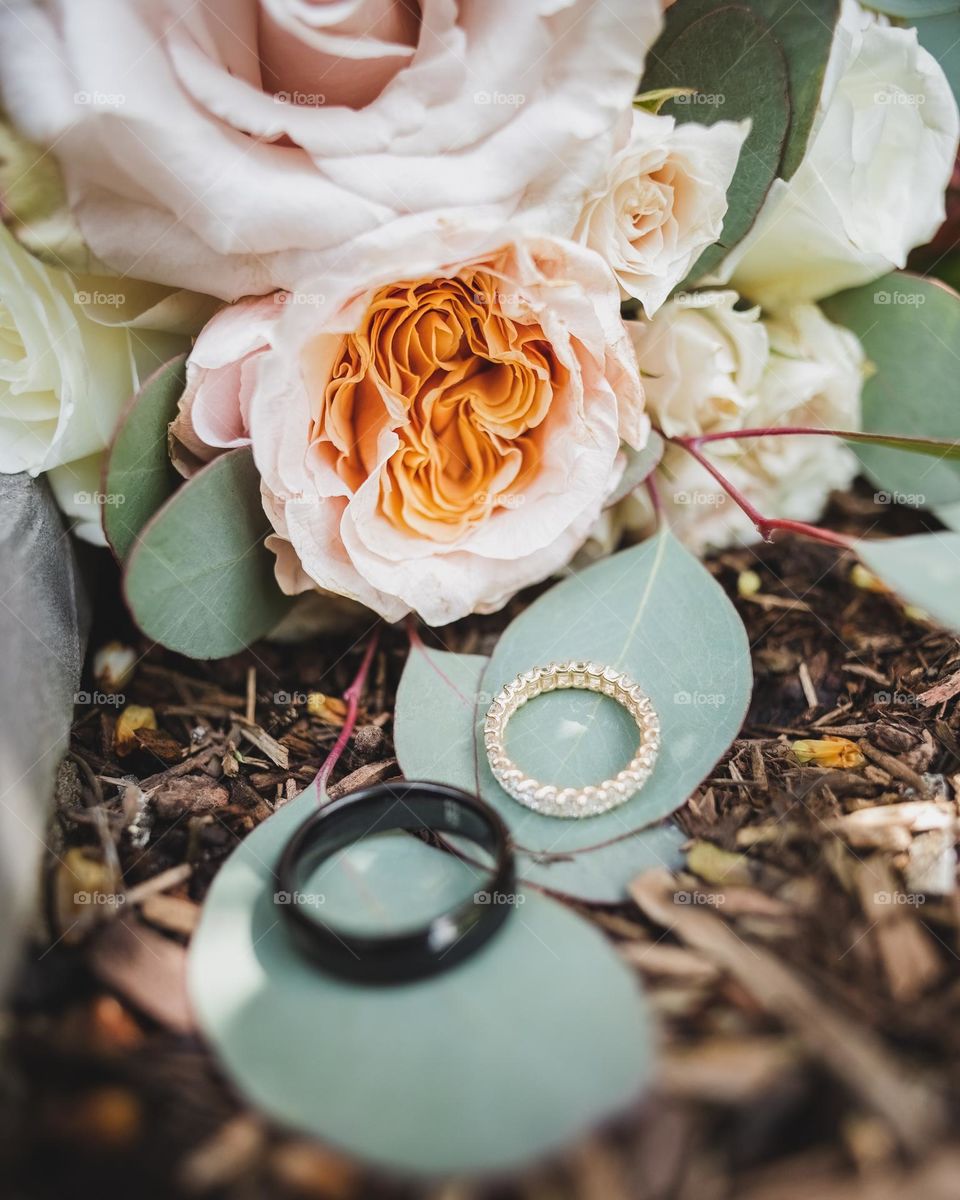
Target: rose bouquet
422,303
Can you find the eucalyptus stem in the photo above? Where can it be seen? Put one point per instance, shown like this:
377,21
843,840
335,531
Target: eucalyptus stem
352,698
765,526
733,435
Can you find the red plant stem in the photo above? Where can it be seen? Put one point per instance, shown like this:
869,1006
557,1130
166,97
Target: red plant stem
352,697
655,500
766,526
766,431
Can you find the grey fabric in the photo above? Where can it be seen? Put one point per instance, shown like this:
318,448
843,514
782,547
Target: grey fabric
42,639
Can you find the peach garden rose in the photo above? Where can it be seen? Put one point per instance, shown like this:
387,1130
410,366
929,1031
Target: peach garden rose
434,441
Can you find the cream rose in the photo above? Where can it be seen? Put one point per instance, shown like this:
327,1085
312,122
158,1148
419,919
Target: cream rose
238,158
711,368
432,443
871,186
662,202
64,378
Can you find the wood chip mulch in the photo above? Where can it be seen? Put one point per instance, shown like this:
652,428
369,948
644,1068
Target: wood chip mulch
803,965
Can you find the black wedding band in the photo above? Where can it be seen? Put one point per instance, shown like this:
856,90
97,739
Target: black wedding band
447,938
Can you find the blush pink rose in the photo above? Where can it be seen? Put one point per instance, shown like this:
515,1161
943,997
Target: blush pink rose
239,146
435,441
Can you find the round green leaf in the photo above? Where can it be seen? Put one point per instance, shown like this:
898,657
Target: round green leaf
738,70
910,329
138,476
923,569
439,702
941,36
913,10
200,579
535,1038
804,32
655,612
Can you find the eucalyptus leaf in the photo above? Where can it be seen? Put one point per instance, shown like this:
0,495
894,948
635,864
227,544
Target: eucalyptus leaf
924,570
138,476
200,579
738,70
438,704
910,329
483,1067
655,612
640,464
913,10
804,32
941,36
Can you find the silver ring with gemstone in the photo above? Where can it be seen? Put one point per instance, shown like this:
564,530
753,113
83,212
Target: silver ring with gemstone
550,799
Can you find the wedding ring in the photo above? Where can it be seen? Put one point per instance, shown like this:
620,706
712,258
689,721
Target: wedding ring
448,938
549,799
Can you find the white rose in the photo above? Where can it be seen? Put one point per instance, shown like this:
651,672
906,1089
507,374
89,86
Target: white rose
64,378
662,202
237,156
871,186
793,369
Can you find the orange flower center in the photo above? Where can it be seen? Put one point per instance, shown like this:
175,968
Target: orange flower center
465,388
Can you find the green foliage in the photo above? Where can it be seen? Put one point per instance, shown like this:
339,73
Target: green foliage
200,579
738,71
138,476
435,734
511,1054
923,569
653,611
910,328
